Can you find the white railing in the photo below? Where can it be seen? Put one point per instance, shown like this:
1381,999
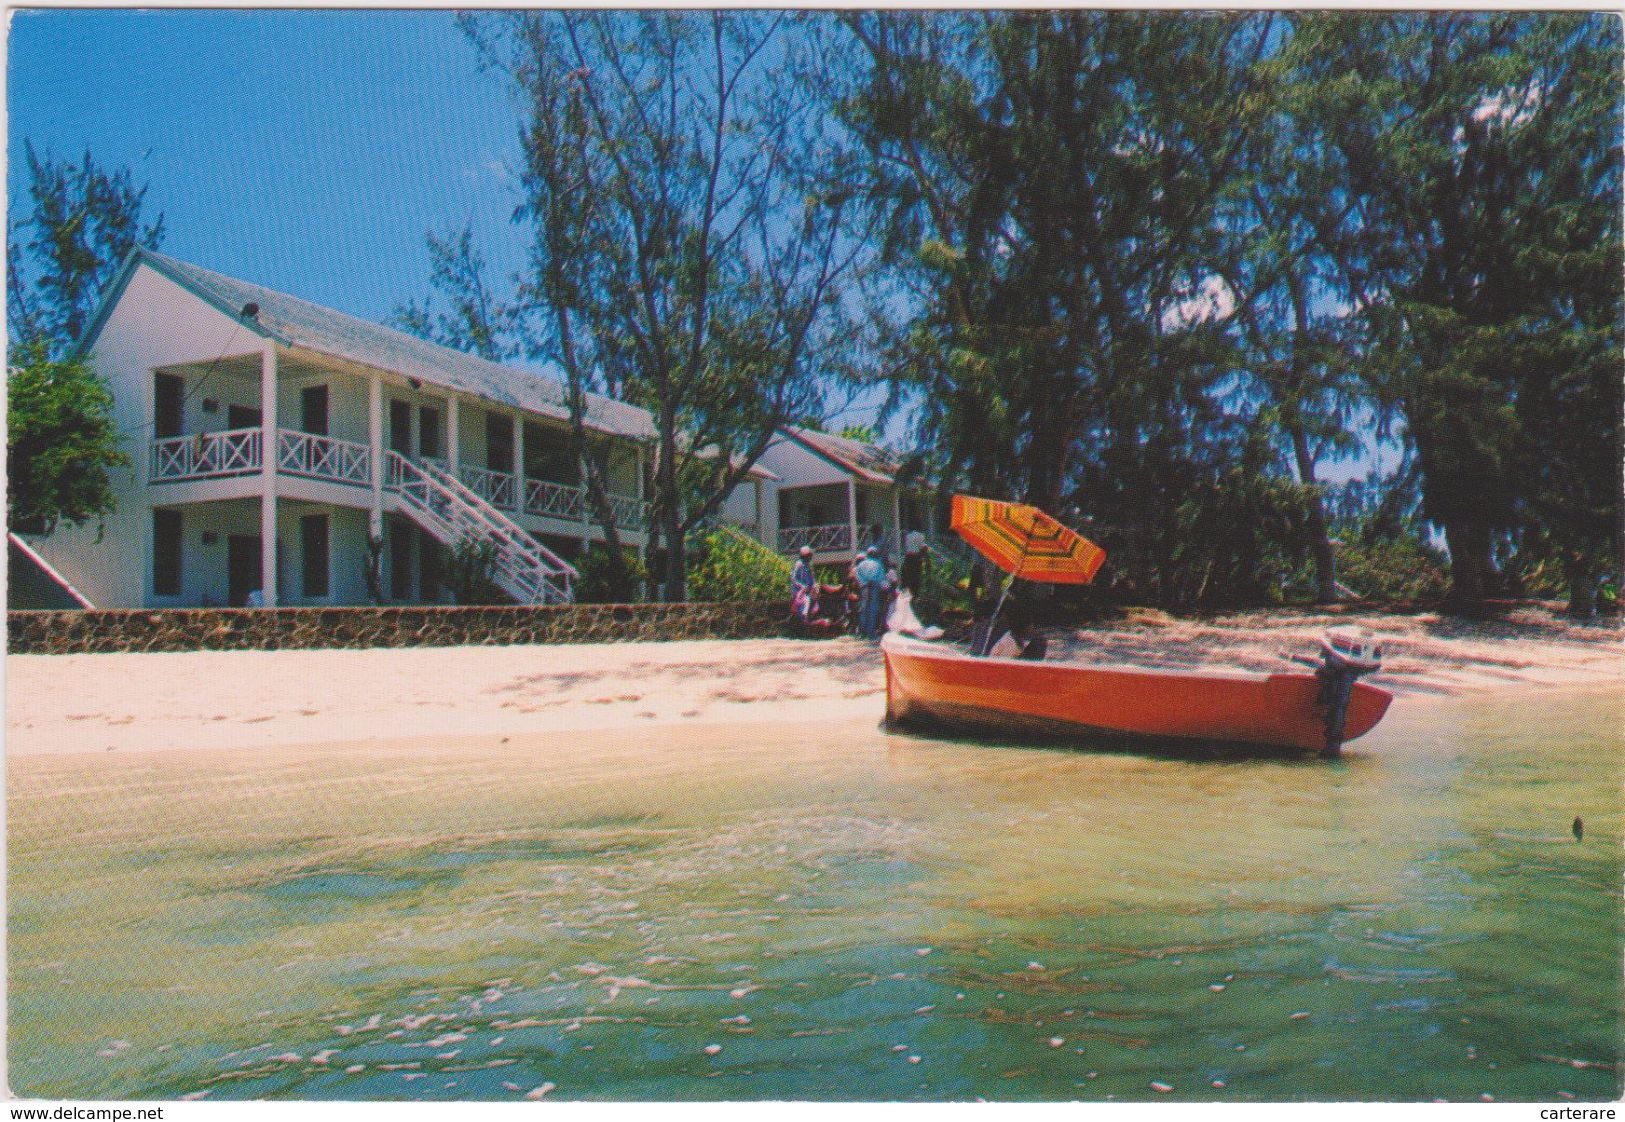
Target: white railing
495,487
820,538
547,499
524,568
630,513
323,457
206,455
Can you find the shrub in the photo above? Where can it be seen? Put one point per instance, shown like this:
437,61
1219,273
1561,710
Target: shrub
596,585
729,565
468,573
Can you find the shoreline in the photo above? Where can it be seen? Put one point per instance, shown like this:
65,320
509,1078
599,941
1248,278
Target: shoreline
245,700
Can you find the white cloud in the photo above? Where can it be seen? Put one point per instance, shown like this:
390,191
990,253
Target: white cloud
1209,299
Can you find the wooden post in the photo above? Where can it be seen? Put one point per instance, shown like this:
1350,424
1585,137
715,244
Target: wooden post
268,466
852,512
519,463
375,449
453,437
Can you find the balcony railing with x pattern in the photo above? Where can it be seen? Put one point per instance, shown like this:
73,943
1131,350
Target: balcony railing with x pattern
820,538
546,499
495,487
206,455
216,455
323,457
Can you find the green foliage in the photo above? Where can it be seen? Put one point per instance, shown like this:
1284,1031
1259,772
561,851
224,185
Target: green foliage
479,322
1388,568
604,582
728,565
940,585
689,230
83,223
61,442
468,573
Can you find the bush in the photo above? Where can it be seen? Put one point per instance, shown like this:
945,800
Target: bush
468,573
728,565
596,585
1397,567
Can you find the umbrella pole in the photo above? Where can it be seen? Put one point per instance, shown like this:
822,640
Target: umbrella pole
1005,592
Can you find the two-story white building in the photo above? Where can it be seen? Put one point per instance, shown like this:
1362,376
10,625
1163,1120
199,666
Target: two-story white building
830,493
285,453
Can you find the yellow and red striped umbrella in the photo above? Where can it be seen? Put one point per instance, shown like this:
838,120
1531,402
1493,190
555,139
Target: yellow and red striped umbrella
1023,540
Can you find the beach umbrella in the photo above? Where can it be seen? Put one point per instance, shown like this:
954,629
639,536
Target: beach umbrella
1025,542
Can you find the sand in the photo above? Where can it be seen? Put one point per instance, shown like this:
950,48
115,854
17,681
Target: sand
257,700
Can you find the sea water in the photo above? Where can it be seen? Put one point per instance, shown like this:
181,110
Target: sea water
828,912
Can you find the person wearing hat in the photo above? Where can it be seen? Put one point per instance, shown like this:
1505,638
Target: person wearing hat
803,585
871,575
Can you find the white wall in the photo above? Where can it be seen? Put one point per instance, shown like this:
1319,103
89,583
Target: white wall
157,323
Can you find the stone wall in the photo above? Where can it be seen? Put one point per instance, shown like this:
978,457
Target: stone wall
270,629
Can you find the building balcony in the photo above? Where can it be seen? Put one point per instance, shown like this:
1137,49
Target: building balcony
239,452
820,539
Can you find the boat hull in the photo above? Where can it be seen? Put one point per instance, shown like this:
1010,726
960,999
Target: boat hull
934,686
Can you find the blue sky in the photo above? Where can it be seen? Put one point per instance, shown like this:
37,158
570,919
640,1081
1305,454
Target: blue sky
306,150
309,151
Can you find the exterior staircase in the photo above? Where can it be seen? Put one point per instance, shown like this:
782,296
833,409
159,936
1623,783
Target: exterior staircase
454,514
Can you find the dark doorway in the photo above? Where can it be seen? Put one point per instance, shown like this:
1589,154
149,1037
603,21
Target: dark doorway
400,427
168,534
242,417
428,569
243,555
428,431
313,410
400,560
168,409
314,554
499,442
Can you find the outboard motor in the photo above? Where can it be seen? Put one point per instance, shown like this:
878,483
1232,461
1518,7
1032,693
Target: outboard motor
1346,655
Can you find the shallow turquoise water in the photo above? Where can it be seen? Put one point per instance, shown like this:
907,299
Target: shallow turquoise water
829,913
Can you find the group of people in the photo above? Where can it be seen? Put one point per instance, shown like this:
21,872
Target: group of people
871,583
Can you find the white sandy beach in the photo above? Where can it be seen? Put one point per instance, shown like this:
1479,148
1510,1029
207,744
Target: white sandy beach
251,699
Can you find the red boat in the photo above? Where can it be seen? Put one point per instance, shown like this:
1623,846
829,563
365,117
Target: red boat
933,685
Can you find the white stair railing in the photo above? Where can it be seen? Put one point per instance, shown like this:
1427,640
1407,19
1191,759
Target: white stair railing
445,507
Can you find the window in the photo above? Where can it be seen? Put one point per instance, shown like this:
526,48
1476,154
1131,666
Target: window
400,427
168,409
499,442
313,410
313,546
428,431
166,552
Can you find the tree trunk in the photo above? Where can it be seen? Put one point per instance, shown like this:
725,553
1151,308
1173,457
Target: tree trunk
676,585
1582,577
1325,558
1470,569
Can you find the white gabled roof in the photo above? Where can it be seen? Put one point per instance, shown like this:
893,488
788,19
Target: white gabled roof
293,322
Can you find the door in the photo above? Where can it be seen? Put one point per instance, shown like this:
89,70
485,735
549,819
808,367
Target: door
313,410
168,407
242,417
429,432
400,427
400,560
243,555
